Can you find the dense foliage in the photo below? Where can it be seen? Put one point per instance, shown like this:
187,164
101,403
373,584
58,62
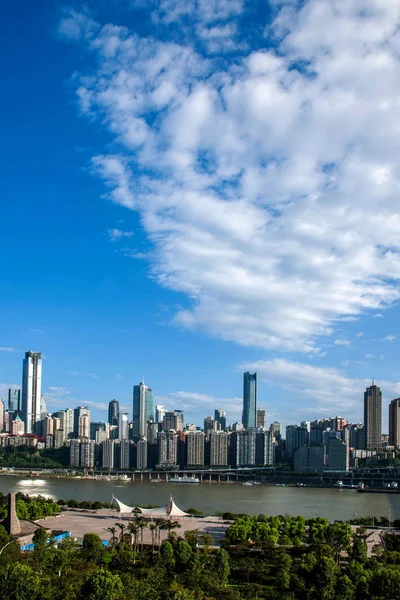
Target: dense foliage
30,508
262,557
26,456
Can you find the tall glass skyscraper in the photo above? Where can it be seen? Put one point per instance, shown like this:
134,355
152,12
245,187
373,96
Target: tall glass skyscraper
31,389
14,400
143,409
113,412
249,416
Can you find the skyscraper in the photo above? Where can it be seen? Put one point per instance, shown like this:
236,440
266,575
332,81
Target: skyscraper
81,422
394,423
113,412
14,400
373,417
260,417
249,400
143,410
220,417
160,412
31,389
123,430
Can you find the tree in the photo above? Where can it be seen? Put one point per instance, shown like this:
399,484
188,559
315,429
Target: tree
222,567
345,589
338,536
19,582
167,553
102,585
114,538
92,547
183,553
40,538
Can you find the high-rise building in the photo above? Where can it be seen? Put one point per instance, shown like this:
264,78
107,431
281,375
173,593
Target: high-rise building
87,449
338,454
17,426
160,412
309,459
14,400
74,453
249,400
31,390
394,423
210,425
81,422
173,420
2,411
123,429
195,448
264,448
108,458
69,423
276,429
113,412
167,449
220,418
260,418
125,454
243,445
218,449
143,410
141,454
373,417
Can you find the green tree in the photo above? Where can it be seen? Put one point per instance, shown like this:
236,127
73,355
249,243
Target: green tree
19,582
92,547
102,585
167,554
338,536
40,538
183,553
345,588
222,566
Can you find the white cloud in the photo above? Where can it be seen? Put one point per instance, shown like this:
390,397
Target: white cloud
369,356
328,390
199,406
269,201
360,334
5,349
341,342
116,234
388,338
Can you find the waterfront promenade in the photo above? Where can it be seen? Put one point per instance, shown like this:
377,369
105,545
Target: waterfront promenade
79,522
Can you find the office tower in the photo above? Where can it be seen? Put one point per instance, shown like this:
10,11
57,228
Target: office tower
264,448
220,418
260,418
249,400
167,449
373,417
337,423
47,426
68,423
7,420
113,412
160,412
338,454
123,429
276,429
14,400
59,438
142,409
152,432
141,454
219,449
2,412
195,448
96,426
210,425
243,445
81,422
31,390
173,420
238,426
43,407
108,458
394,423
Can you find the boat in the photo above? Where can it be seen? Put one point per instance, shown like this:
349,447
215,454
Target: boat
247,483
300,485
184,479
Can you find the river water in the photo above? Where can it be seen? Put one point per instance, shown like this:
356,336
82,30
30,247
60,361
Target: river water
332,503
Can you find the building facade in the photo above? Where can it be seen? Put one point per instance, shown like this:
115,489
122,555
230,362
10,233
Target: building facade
394,423
219,449
143,410
195,441
113,412
249,416
31,390
373,417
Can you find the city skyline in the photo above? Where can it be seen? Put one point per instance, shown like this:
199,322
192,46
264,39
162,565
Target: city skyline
179,206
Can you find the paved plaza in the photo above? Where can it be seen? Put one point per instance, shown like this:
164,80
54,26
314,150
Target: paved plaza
79,522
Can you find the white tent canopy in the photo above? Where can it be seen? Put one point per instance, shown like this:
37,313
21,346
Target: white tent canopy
169,510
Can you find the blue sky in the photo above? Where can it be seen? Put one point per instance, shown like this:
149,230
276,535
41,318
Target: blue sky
193,189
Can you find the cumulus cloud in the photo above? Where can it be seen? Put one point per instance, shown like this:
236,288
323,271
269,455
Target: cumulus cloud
327,390
116,234
197,405
388,338
271,201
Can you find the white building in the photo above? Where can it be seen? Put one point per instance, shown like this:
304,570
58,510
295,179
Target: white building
31,389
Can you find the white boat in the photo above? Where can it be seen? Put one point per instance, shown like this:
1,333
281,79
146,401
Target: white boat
247,483
184,479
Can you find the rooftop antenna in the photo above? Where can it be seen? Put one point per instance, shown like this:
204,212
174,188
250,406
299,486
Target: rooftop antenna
143,379
373,382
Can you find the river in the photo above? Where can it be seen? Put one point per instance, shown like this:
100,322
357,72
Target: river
333,503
